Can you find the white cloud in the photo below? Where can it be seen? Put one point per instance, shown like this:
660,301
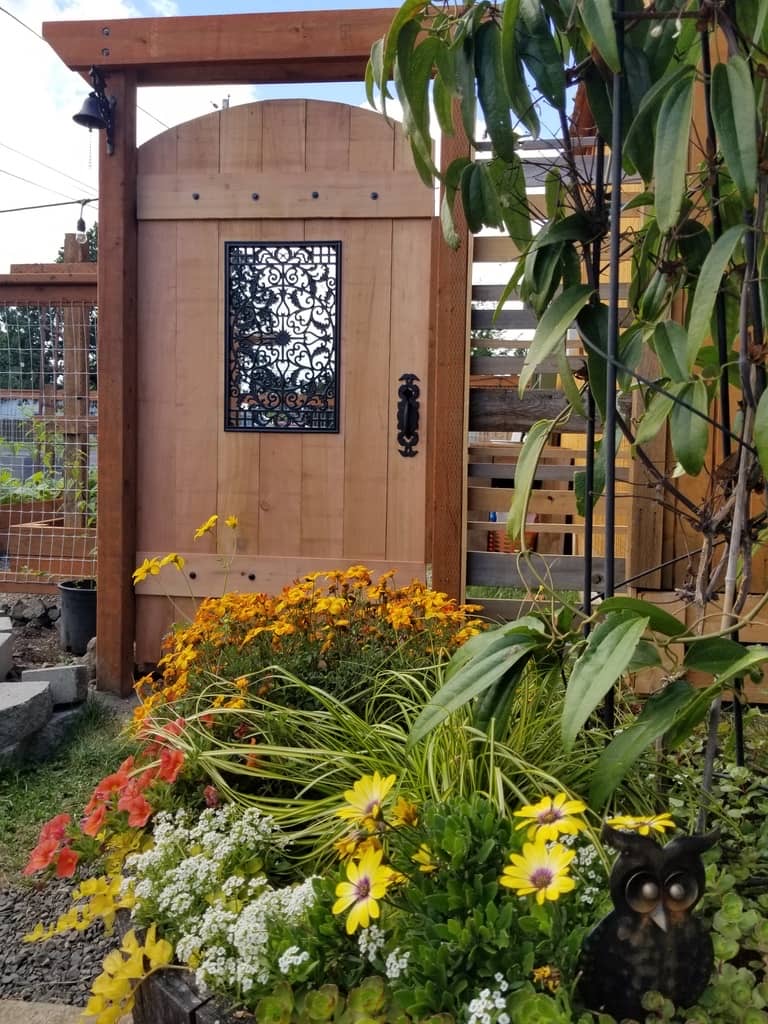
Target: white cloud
40,95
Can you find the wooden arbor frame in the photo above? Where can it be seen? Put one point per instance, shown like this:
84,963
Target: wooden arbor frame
318,46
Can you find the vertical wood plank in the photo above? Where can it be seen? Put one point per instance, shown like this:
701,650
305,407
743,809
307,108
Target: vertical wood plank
449,380
241,146
156,356
366,278
409,340
322,455
117,289
280,459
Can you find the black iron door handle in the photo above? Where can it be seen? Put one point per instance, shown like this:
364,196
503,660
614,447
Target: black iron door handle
408,414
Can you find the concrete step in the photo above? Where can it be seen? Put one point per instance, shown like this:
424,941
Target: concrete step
25,707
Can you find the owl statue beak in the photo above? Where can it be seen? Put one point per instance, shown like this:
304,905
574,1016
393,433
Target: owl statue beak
659,916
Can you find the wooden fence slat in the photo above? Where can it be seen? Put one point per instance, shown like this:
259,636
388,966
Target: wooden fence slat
563,572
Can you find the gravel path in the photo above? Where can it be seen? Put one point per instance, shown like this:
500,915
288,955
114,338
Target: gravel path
57,971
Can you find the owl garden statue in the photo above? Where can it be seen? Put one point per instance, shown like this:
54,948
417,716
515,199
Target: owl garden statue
651,941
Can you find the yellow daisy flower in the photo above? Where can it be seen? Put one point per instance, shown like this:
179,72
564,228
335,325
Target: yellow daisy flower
367,883
232,522
424,858
540,870
173,559
645,826
207,526
404,813
149,567
365,798
551,817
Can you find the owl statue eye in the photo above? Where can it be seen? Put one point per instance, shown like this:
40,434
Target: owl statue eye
681,891
642,892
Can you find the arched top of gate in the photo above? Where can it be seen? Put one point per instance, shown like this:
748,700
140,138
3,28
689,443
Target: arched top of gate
298,134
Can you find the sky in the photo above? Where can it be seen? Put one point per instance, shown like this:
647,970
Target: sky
46,158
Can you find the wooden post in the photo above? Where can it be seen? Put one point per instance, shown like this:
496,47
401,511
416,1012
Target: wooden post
117,289
75,360
448,406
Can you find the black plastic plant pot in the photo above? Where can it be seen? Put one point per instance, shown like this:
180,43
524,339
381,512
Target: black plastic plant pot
77,623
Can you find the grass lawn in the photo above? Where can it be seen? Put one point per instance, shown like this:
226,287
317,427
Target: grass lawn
30,794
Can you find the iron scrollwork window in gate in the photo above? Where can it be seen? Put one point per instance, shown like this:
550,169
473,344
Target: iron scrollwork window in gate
282,359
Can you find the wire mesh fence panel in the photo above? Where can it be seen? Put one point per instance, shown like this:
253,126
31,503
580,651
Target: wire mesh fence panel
48,443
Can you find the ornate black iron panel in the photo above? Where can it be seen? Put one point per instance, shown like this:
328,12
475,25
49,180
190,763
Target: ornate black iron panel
282,336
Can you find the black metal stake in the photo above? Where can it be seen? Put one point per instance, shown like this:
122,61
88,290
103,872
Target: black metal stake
609,426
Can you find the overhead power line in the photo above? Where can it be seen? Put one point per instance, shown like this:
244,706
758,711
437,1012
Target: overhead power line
48,167
47,206
38,36
35,184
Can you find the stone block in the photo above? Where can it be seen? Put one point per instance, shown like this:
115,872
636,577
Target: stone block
46,741
25,707
5,624
6,654
69,683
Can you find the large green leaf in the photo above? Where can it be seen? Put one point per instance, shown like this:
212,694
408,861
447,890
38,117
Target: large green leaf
713,654
756,656
670,340
452,184
552,327
707,287
464,64
406,13
525,471
598,20
694,712
689,432
639,143
490,641
592,322
656,413
472,196
658,715
475,677
670,158
659,620
761,432
519,95
540,53
735,117
492,90
413,75
508,181
605,658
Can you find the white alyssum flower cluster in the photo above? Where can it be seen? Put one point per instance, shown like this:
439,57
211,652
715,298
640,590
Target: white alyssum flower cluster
490,1006
370,941
202,880
397,964
292,957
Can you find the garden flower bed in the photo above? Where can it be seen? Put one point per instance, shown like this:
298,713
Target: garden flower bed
327,820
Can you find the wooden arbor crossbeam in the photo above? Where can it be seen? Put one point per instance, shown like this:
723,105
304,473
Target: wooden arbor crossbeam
312,46
290,47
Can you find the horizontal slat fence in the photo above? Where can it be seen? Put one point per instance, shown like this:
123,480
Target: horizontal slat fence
499,418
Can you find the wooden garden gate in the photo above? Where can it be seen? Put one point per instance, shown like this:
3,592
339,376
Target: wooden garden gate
218,199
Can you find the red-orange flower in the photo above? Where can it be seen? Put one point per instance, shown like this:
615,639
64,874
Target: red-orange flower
41,856
135,803
67,862
171,762
91,826
56,828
